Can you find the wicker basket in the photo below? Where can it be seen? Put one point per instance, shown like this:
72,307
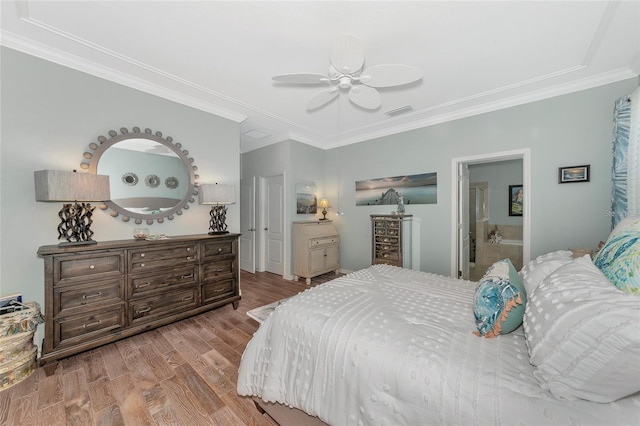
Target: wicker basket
13,347
19,369
17,351
26,319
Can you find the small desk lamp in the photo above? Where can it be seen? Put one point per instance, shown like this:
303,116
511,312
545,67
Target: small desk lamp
56,185
219,196
324,203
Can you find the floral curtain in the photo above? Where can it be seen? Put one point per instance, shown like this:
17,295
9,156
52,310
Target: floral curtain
626,158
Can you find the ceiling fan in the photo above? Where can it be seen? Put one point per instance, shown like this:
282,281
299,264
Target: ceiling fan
346,73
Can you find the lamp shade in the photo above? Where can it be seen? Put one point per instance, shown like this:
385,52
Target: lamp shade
57,185
324,203
216,194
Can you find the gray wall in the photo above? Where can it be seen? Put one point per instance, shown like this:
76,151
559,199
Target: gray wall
573,129
498,175
299,163
50,114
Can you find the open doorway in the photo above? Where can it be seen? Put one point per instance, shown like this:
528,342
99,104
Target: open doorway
462,244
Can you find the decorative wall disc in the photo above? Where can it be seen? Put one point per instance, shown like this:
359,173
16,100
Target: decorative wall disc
171,182
130,179
152,181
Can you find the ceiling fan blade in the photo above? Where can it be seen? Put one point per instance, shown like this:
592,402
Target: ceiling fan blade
365,97
322,98
302,78
347,56
390,75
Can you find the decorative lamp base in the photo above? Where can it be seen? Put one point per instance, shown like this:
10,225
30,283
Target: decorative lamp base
217,225
75,224
77,243
324,215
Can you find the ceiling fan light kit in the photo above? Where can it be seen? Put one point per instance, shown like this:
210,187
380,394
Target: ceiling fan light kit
345,73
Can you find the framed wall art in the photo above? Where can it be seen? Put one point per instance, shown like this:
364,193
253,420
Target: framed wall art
415,189
306,199
516,197
574,174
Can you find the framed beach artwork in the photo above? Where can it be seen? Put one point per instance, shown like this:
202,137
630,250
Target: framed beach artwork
574,174
415,189
306,199
516,196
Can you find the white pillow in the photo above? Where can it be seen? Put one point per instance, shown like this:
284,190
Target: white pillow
539,268
583,335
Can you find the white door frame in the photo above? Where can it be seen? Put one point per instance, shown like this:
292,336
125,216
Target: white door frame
247,224
518,154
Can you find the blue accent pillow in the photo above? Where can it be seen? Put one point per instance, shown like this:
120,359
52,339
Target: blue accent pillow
619,259
500,300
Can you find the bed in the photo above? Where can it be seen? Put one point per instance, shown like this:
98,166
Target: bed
391,346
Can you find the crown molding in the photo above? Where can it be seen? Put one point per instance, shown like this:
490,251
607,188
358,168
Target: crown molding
532,96
77,63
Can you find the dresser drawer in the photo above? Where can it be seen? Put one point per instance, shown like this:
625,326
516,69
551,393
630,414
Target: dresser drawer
70,299
323,241
72,329
386,240
388,256
140,285
218,248
218,269
74,266
153,308
143,259
218,290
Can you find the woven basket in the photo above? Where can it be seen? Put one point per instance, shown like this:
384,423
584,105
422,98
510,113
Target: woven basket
26,319
19,369
13,347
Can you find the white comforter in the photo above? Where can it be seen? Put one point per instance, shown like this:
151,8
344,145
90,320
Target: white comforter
390,346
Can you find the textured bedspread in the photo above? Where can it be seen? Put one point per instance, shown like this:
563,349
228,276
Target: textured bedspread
390,346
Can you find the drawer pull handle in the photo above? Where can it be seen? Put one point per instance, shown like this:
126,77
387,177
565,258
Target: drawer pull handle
219,290
141,254
143,285
142,265
187,276
92,266
188,248
218,270
143,310
184,299
219,249
89,296
191,258
92,324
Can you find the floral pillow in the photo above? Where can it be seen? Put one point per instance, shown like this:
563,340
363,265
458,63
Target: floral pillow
500,300
619,259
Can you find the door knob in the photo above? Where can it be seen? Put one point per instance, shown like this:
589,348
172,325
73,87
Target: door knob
266,229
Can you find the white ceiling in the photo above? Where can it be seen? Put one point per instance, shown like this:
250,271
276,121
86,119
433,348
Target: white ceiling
477,56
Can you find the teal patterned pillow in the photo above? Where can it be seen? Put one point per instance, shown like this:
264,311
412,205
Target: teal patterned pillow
500,300
619,259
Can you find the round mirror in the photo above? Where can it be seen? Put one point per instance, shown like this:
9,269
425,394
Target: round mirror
166,183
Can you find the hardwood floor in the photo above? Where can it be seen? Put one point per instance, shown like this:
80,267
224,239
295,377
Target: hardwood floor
181,374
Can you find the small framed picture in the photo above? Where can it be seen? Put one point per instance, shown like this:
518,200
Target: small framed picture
574,174
516,196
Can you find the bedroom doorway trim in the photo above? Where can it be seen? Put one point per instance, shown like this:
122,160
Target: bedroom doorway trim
522,154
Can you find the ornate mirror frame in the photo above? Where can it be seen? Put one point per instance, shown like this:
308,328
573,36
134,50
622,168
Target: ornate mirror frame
92,158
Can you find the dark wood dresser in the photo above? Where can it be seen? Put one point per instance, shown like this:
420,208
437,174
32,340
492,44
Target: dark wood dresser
97,294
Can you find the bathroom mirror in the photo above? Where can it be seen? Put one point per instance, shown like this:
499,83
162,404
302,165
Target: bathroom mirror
151,177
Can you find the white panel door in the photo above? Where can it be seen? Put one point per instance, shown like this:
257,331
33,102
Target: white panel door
463,221
274,220
248,225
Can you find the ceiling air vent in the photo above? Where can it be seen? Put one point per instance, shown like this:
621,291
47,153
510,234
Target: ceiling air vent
255,134
398,111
